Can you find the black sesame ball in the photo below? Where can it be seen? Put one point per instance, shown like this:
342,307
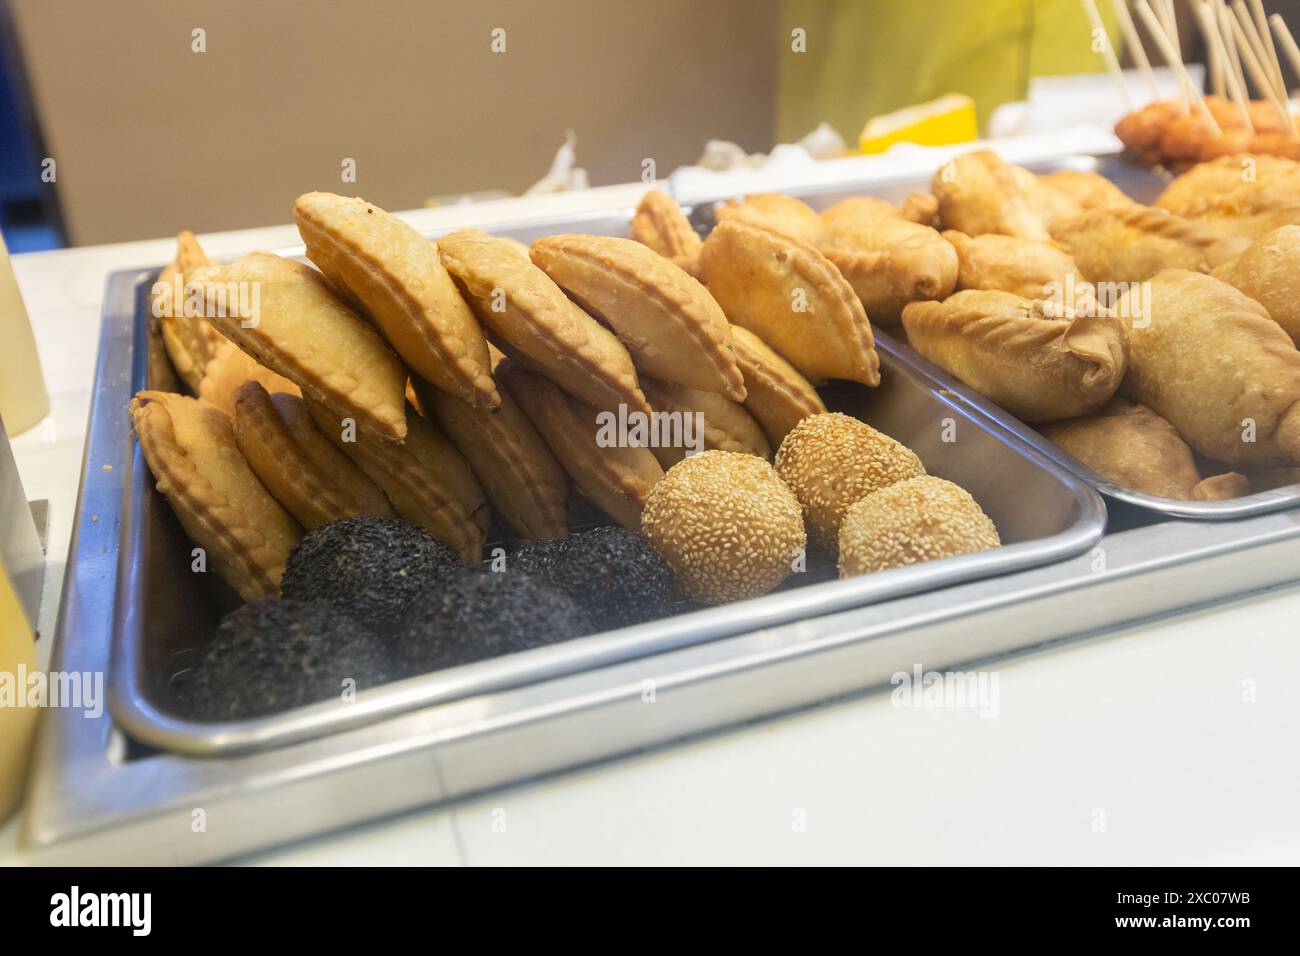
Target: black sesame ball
370,567
475,613
273,654
613,573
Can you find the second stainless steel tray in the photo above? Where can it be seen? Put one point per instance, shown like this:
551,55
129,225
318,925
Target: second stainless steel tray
163,611
1142,184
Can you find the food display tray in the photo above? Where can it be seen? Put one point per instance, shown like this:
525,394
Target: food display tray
123,785
163,611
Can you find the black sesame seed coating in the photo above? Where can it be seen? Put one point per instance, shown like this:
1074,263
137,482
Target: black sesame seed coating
614,574
475,613
372,568
273,654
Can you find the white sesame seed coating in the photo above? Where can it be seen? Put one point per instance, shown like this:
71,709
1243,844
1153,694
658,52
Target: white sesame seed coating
916,520
831,461
726,524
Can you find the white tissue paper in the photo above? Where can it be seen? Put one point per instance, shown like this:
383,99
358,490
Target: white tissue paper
565,174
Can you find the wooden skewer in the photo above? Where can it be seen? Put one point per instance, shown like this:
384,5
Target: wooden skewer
1108,51
1168,21
1266,39
1221,18
1134,44
1256,45
1257,73
1214,39
1171,57
1212,54
1285,38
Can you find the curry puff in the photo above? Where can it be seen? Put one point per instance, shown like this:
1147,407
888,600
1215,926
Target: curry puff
531,320
727,426
793,298
313,480
1135,448
1241,182
188,340
1130,243
1210,360
285,315
1030,268
427,480
1239,195
660,225
888,259
229,368
1269,272
524,482
776,394
1086,189
668,321
617,478
190,448
395,273
786,214
1037,365
980,193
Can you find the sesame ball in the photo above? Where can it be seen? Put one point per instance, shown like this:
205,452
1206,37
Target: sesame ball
372,568
475,613
726,524
273,654
831,461
614,574
916,520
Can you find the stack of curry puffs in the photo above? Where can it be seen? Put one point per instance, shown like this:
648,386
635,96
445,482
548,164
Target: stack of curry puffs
1131,335
459,383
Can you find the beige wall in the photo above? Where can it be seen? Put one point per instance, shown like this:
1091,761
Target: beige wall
150,137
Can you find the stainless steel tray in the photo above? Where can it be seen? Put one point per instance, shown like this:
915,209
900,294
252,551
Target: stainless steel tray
97,797
163,612
1142,184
